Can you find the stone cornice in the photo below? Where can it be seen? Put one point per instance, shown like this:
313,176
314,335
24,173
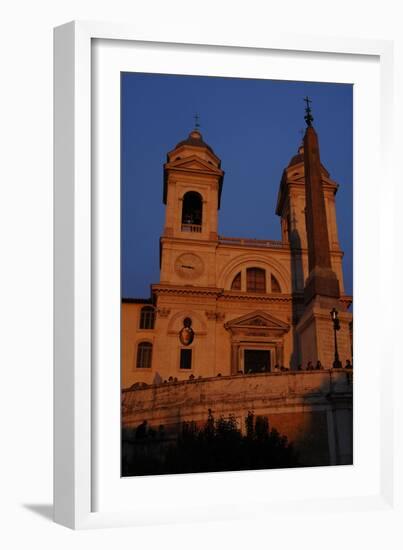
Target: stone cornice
230,295
234,296
221,294
346,299
167,239
181,290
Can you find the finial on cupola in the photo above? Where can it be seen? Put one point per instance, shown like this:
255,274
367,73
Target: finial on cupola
308,113
197,123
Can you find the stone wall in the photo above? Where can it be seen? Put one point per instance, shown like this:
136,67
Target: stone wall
313,409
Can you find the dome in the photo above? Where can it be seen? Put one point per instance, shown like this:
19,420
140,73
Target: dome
298,158
195,139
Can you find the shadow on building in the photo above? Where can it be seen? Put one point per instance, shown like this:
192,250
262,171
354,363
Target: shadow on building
297,285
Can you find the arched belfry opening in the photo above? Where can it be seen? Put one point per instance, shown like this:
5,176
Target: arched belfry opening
192,212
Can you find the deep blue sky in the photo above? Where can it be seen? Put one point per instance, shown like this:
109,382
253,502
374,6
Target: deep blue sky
254,126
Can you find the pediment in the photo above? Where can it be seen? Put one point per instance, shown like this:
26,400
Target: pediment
194,163
258,319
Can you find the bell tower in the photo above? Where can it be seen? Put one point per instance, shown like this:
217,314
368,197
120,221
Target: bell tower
292,209
193,181
192,189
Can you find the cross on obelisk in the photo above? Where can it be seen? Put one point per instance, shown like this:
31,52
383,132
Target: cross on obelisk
308,117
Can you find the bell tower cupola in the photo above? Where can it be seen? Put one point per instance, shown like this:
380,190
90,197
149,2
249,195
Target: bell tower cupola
193,182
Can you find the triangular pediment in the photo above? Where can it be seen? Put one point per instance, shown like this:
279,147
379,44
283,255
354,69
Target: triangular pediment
194,163
258,319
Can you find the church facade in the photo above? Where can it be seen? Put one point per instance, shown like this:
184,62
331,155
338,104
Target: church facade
230,306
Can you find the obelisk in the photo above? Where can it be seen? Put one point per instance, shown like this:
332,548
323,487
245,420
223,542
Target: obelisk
322,280
321,290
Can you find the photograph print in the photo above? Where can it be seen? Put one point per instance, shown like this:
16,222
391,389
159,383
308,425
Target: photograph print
236,274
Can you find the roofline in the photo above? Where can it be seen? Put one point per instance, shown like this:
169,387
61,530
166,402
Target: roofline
126,300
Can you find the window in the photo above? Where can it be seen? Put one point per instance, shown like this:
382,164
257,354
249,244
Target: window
147,316
275,287
255,280
186,359
144,355
236,283
192,210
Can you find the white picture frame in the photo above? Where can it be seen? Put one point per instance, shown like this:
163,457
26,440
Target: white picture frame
78,420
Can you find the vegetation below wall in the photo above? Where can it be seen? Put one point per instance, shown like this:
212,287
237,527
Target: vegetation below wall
218,445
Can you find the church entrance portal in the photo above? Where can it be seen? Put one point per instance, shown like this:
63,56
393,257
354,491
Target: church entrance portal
257,360
257,342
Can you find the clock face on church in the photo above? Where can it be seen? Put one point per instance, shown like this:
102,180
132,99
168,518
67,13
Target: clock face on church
189,266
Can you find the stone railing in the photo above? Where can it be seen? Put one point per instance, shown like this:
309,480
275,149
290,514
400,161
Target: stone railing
191,228
252,242
240,375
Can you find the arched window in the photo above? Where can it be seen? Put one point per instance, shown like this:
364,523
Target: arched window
236,283
275,286
144,355
147,317
255,279
192,212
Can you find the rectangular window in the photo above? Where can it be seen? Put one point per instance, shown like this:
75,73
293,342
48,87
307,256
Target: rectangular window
186,359
147,316
144,354
255,280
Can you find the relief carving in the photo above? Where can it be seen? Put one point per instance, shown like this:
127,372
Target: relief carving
163,311
215,316
211,315
258,323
